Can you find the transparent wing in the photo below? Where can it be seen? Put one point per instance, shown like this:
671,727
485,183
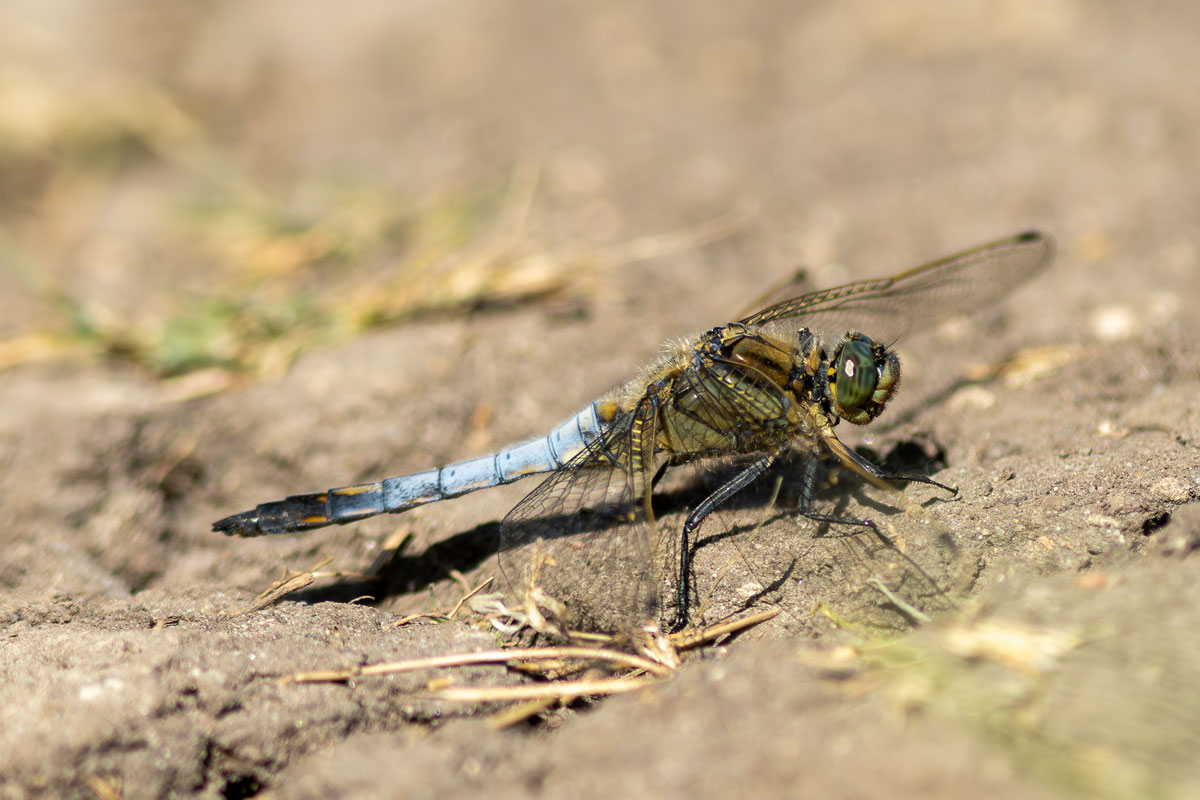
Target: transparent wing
863,572
886,308
586,535
884,581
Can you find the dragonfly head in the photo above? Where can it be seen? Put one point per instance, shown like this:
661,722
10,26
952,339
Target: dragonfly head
863,376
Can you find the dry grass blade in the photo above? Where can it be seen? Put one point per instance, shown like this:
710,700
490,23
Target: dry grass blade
563,690
521,712
617,657
905,607
685,640
106,787
462,600
539,697
289,583
393,546
32,348
435,615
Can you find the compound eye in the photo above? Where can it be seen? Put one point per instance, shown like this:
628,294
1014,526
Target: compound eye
856,376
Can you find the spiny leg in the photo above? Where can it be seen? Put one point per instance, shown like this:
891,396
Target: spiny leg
807,493
909,477
869,470
710,504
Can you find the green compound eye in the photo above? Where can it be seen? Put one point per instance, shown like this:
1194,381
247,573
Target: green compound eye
855,374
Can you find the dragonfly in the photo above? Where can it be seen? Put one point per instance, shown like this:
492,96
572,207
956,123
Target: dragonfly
773,384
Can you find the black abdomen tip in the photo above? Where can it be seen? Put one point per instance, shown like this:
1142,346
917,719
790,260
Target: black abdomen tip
244,524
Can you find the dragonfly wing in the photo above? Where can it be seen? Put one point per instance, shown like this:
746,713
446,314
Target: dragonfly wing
586,535
868,569
886,308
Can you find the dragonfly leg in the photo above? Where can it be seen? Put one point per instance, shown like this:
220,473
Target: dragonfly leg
808,488
876,472
910,477
915,477
710,504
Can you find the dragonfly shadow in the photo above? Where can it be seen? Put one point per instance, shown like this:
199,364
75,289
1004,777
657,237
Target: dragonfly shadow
447,559
412,573
838,494
464,552
917,455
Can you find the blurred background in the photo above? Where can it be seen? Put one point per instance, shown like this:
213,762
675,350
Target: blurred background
250,249
216,186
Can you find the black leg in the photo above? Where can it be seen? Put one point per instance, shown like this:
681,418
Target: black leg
808,488
914,477
874,471
710,504
808,479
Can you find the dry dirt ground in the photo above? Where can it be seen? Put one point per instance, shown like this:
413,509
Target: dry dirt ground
248,250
